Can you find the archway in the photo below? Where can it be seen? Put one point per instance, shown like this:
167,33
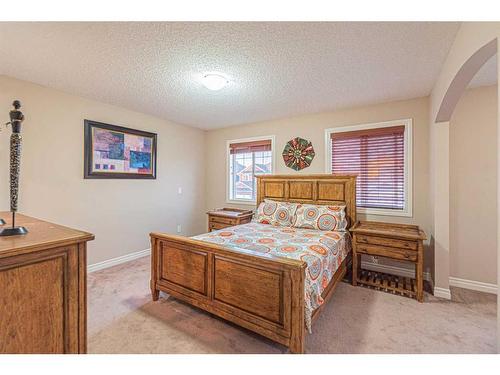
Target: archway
440,161
462,79
474,45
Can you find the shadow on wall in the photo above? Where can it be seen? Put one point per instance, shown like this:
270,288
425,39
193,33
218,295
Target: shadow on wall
430,254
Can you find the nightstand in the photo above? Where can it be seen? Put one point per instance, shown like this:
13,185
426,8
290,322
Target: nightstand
221,218
395,241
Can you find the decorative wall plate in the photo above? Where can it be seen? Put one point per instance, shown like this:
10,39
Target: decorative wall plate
298,153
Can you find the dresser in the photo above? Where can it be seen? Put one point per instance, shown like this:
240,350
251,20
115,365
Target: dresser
394,241
227,217
43,290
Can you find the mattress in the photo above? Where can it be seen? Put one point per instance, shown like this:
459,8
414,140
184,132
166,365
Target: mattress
323,252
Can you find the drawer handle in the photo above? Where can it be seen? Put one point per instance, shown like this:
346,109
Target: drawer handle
407,255
363,240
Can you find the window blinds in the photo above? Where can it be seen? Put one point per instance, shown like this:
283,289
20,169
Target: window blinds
377,157
246,147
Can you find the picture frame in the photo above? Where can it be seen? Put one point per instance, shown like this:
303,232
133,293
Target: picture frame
117,152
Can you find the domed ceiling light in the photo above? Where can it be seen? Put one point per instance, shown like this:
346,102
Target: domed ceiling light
214,81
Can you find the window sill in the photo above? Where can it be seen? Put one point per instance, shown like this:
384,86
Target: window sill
384,212
247,203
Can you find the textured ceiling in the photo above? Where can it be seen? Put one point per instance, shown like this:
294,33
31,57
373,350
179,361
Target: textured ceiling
276,69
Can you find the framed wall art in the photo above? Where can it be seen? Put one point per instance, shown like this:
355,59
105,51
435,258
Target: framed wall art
116,152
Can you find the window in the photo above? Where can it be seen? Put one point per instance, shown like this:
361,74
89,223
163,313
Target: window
380,155
247,158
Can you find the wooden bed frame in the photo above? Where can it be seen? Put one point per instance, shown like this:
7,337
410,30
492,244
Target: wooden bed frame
260,292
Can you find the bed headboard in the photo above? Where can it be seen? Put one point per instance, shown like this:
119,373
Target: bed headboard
324,189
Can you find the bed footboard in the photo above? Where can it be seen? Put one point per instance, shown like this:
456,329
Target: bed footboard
262,293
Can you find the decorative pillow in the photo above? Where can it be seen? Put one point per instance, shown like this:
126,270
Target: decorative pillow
275,213
313,216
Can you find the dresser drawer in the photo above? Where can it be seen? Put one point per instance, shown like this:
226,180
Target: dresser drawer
389,252
216,226
392,242
222,220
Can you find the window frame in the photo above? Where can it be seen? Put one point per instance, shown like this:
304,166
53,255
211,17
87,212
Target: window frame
272,138
408,163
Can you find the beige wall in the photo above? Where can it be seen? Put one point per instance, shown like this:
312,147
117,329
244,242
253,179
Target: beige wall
473,184
121,213
312,127
471,37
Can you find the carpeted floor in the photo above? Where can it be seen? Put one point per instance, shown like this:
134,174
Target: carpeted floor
123,319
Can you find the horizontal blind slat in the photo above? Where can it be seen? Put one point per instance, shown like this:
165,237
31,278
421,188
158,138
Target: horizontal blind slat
377,156
252,146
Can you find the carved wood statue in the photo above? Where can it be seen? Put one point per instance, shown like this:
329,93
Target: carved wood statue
16,119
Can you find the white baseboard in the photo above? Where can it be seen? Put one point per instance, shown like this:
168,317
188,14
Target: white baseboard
442,293
119,260
474,285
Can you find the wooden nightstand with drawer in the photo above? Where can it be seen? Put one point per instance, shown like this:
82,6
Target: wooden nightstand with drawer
395,241
227,217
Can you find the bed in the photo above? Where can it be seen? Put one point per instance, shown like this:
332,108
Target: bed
263,291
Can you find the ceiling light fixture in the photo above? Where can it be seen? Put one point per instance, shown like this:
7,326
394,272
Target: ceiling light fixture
214,81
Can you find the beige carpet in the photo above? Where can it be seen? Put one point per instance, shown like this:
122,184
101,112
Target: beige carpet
123,319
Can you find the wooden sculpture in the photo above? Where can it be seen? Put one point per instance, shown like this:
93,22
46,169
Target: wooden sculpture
16,119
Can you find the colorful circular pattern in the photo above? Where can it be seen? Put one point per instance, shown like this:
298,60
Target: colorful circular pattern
311,234
313,265
328,242
252,234
324,280
257,248
298,240
266,240
307,226
282,215
269,208
311,213
298,153
239,240
288,249
318,249
242,230
333,235
327,222
282,236
336,208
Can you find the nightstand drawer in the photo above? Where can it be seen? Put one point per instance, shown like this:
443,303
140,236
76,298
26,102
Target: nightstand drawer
222,220
216,226
389,252
392,242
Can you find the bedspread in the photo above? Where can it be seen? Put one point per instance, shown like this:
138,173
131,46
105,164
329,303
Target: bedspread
322,251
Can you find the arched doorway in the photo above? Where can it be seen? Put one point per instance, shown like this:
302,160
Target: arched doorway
462,79
475,44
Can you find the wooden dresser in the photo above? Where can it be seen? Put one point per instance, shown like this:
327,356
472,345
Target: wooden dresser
227,217
43,304
396,241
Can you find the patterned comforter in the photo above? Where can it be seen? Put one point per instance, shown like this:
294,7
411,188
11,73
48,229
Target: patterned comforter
322,251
